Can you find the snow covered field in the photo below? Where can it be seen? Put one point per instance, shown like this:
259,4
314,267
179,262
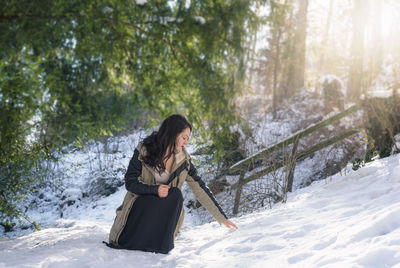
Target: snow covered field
348,220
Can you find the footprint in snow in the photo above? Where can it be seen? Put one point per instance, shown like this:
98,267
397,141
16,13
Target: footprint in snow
325,243
299,257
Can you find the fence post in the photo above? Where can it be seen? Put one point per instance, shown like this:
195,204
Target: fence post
292,165
239,191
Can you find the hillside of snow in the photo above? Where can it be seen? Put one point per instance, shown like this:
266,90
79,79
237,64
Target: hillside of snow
351,219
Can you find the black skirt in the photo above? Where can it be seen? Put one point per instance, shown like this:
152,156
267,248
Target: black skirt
151,223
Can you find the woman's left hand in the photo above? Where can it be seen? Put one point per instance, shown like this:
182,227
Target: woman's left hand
229,224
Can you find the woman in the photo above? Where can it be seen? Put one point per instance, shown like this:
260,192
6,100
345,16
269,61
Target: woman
151,214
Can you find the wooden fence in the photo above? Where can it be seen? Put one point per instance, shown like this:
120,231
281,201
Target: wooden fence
248,164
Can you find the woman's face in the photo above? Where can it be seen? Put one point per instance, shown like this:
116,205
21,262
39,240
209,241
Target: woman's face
182,140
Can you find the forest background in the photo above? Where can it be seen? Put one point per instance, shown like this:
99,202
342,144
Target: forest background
76,71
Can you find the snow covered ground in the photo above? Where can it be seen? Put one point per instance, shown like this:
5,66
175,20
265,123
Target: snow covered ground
347,220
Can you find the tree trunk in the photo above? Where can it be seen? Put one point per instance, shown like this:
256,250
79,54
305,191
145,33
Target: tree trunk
297,62
278,19
325,37
287,53
354,86
376,39
250,57
277,37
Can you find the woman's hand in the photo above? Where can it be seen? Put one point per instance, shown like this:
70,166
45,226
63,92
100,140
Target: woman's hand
229,224
163,190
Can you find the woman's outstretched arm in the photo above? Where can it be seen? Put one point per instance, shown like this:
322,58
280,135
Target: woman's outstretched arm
206,198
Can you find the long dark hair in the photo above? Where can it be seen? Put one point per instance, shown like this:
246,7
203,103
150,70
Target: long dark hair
159,141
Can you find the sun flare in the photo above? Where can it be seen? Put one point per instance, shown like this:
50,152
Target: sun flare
389,21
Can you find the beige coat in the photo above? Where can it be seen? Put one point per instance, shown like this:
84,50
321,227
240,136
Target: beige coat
141,176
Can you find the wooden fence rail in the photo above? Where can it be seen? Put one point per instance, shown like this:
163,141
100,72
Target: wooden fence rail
250,160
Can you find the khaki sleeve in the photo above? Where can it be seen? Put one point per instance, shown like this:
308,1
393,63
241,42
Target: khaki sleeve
204,195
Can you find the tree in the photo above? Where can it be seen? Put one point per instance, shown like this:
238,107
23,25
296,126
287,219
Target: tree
73,71
277,18
296,68
325,37
354,85
376,57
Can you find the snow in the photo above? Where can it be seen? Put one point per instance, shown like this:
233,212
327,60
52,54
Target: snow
200,19
384,94
351,219
385,84
141,2
396,146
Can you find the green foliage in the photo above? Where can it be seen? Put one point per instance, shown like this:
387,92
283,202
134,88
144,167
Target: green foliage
72,71
382,122
358,163
17,179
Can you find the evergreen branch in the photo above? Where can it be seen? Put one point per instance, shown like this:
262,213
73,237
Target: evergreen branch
33,17
158,37
10,18
155,36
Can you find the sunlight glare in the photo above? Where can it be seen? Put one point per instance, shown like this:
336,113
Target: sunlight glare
388,21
